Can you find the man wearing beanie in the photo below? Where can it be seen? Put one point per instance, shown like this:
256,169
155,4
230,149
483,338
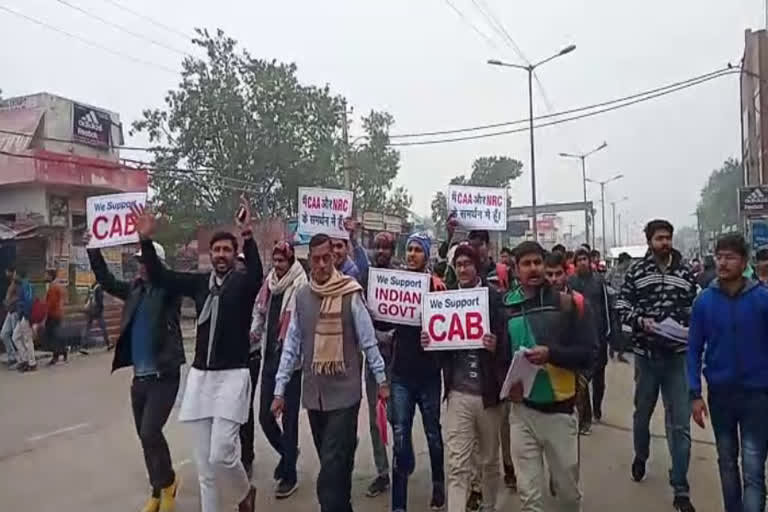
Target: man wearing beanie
473,380
415,382
271,315
384,249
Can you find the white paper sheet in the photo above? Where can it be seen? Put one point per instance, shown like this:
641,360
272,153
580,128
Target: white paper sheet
521,370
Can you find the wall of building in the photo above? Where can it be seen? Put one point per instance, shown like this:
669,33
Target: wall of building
24,202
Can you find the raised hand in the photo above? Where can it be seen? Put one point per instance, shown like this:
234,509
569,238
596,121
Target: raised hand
243,214
146,224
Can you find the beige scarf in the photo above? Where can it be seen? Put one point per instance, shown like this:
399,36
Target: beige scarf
328,358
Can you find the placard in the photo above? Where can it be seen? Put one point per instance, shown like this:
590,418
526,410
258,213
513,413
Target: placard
395,296
323,210
456,319
110,220
478,207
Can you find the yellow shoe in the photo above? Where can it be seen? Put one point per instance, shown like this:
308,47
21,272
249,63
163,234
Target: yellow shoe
168,496
152,505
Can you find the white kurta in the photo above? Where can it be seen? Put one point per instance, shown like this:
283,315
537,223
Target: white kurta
217,394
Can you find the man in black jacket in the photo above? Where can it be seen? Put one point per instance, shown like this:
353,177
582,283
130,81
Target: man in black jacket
472,380
591,285
150,341
218,390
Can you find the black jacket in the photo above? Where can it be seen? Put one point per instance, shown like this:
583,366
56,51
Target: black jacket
231,344
650,293
592,287
164,310
493,365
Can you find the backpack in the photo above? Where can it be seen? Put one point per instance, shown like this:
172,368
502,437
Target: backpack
38,312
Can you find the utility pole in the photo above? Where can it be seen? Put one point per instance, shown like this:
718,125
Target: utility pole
346,162
620,244
602,211
613,211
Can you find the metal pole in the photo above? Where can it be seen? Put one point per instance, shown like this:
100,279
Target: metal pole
533,155
586,209
620,244
602,207
594,231
347,163
613,209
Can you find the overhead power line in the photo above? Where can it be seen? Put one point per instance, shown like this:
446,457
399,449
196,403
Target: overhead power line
555,114
153,21
496,24
564,120
88,42
485,37
121,28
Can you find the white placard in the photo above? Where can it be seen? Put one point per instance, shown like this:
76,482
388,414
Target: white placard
395,296
323,210
110,220
456,319
478,207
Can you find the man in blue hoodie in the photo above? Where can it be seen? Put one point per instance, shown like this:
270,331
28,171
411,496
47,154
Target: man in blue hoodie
729,328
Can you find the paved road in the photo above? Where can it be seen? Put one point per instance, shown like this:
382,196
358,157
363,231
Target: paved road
67,444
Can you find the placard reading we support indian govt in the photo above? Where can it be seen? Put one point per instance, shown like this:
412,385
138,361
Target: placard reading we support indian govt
395,296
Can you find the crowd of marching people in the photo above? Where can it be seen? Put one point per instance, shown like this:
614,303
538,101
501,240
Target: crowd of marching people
310,341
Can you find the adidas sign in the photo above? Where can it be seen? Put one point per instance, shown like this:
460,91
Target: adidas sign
90,121
754,199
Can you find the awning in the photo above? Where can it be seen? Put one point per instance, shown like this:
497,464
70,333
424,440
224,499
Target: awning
24,121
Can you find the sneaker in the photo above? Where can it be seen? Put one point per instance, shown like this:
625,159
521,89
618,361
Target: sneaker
53,361
597,417
638,470
683,504
22,367
474,500
277,475
152,505
510,480
249,502
379,485
168,496
438,498
285,489
585,430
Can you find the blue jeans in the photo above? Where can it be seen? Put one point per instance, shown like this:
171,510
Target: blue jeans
402,408
669,375
740,414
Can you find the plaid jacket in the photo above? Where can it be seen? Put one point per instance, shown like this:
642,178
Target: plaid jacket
650,293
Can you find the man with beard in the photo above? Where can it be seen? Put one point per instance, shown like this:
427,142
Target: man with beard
150,341
415,381
384,248
548,326
729,330
473,381
591,285
656,288
271,317
218,388
329,329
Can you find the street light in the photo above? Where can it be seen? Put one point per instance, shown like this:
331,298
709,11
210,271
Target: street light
602,202
530,68
583,157
613,208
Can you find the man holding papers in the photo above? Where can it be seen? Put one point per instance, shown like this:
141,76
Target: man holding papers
657,290
552,333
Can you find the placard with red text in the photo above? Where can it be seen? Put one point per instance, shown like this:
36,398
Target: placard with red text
395,296
110,220
478,207
456,319
323,210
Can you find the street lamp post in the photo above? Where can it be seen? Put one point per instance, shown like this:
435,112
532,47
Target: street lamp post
530,69
583,158
602,203
613,208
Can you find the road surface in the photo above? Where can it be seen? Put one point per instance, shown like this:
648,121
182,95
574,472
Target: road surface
68,445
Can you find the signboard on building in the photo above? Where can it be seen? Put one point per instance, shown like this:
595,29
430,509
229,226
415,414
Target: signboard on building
395,296
91,126
753,200
110,220
323,210
457,319
759,230
478,207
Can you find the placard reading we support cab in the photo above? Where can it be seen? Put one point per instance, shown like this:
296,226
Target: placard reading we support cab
479,207
323,210
456,319
395,296
110,220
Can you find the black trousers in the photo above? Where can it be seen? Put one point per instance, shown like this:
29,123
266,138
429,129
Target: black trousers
246,431
52,338
152,399
285,441
335,437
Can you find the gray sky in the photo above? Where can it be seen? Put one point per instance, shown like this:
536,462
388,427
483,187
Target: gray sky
420,61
